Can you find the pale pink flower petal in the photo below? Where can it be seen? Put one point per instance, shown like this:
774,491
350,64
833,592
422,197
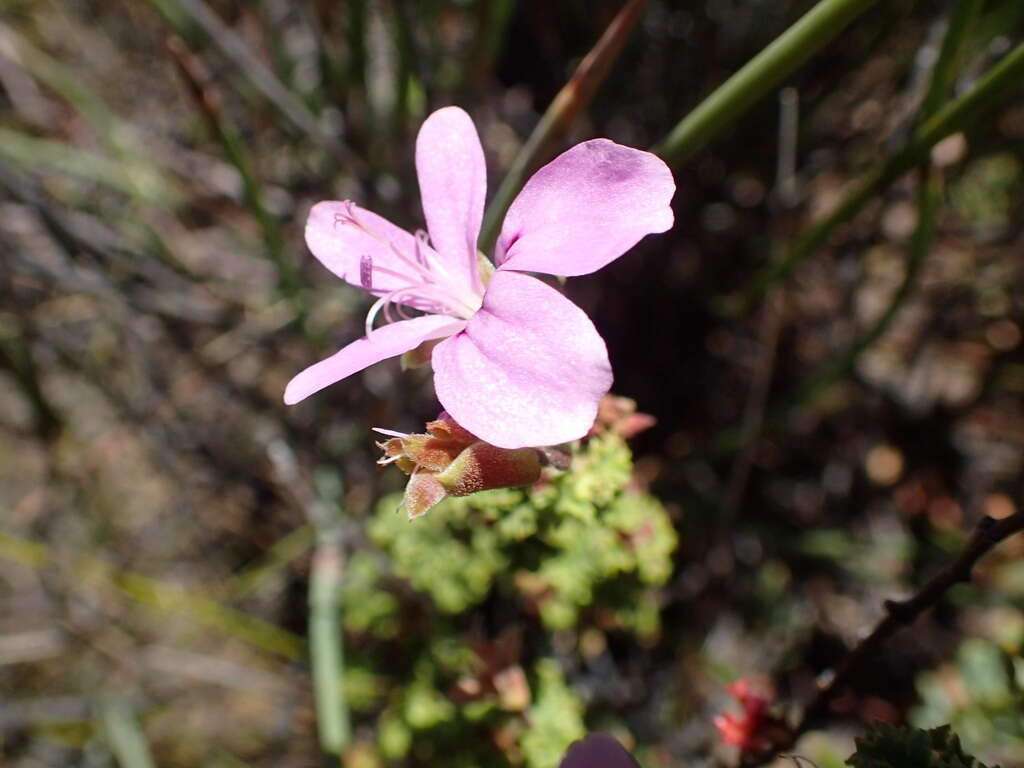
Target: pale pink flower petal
365,249
387,341
453,183
529,369
523,366
598,750
586,208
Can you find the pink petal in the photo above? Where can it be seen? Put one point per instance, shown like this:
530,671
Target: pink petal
586,208
598,750
386,341
528,370
341,234
453,183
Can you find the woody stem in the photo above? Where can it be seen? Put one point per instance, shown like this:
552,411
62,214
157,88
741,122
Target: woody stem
902,613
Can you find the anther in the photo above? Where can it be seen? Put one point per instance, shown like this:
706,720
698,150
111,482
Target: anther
366,272
422,240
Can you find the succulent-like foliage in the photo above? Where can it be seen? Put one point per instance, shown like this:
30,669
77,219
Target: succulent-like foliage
578,551
555,544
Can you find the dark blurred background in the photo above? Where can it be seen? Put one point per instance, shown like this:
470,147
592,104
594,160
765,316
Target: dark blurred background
157,501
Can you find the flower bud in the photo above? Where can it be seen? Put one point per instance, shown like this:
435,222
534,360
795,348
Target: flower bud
482,466
432,452
449,461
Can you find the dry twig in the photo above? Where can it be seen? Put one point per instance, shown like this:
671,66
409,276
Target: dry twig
899,614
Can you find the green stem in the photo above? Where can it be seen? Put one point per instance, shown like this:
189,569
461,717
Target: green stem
494,17
1004,76
124,734
237,51
325,639
961,21
570,101
929,195
929,198
759,77
273,238
207,103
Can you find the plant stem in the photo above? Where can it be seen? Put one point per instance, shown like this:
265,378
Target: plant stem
759,77
570,101
899,614
961,21
326,645
989,532
323,508
1004,76
124,735
237,51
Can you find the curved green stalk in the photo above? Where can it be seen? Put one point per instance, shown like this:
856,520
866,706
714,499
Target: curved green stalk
325,645
124,734
759,77
929,199
961,21
955,116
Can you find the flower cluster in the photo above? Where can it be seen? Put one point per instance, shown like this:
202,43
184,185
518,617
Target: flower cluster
515,362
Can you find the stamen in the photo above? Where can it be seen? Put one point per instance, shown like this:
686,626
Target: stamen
348,216
416,266
366,271
422,240
426,297
435,293
393,273
372,314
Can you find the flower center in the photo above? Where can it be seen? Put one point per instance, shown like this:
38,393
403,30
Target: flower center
426,285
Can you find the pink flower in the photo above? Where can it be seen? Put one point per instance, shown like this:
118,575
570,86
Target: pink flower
518,364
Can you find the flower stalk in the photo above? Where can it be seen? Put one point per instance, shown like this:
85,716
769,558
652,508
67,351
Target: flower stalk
759,77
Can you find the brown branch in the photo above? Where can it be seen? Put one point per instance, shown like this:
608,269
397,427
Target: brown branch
899,614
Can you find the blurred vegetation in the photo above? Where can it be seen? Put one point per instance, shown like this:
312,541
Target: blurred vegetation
886,746
159,507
